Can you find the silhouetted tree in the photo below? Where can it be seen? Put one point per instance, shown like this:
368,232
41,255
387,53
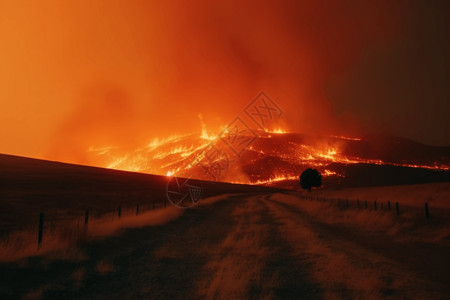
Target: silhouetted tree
309,178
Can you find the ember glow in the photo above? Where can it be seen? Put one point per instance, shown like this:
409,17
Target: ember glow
183,155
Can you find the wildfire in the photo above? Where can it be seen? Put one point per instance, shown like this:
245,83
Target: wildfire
184,155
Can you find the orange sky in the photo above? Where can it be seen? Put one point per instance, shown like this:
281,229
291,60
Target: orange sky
75,74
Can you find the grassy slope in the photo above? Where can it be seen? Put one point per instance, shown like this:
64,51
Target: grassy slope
29,186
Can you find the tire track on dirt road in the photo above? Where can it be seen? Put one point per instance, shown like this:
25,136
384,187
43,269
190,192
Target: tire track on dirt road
254,262
342,267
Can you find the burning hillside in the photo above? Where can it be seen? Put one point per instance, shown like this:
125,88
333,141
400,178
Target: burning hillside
268,156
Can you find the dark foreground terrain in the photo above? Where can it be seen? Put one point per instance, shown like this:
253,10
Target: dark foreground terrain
239,242
238,247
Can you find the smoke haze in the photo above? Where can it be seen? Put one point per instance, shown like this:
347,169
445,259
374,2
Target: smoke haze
80,74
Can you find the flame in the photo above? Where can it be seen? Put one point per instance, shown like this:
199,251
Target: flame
327,172
346,138
205,134
208,137
275,179
330,154
156,142
182,150
276,131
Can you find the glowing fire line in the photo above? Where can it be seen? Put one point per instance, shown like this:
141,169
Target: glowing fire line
169,156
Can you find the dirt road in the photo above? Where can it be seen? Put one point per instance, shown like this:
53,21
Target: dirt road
243,247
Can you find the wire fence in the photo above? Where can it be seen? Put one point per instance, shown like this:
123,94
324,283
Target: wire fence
76,222
386,206
73,223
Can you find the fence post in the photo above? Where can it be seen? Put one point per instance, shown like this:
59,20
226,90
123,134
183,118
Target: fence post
365,204
427,213
389,205
119,213
86,217
375,204
397,208
357,203
41,227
